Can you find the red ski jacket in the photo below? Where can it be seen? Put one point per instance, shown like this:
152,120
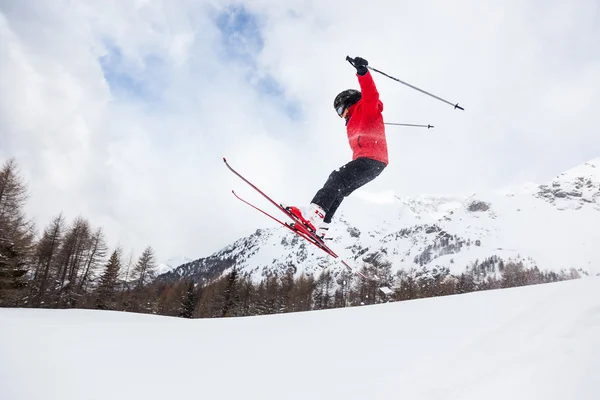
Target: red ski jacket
366,132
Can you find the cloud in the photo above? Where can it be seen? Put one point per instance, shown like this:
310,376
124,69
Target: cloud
122,111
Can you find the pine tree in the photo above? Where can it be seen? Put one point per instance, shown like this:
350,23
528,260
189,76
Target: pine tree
367,288
407,288
144,271
16,235
466,283
231,295
342,296
322,293
248,297
286,301
261,305
189,301
105,294
271,302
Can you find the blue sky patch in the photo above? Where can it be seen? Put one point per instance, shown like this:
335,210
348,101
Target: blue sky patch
241,42
128,81
240,34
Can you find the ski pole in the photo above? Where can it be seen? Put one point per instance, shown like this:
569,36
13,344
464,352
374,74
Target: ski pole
415,125
416,88
350,60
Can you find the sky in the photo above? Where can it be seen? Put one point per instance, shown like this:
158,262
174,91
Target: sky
121,111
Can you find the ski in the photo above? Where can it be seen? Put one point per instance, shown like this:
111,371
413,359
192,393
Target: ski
288,226
306,236
297,226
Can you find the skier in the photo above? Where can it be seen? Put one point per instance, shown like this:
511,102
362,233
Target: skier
366,134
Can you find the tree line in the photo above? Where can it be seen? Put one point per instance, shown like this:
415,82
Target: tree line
67,264
236,295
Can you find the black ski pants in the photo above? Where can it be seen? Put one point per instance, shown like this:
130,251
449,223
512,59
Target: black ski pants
344,181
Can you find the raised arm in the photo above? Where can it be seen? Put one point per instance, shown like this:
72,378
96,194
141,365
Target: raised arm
370,95
369,92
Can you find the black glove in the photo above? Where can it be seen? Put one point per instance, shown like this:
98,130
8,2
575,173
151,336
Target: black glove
361,65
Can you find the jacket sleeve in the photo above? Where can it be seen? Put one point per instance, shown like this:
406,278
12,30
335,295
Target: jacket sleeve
370,95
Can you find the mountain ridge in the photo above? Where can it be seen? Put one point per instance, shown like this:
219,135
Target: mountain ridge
550,226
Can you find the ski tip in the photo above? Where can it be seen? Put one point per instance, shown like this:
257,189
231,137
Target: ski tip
225,160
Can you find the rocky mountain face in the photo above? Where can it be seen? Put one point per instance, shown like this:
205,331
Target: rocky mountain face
552,226
575,188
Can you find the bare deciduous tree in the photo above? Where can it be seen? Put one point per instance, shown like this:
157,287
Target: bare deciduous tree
45,260
96,252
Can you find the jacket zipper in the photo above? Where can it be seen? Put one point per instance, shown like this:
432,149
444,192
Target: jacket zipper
358,142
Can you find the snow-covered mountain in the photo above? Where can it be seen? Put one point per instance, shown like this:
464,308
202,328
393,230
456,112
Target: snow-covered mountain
553,226
171,264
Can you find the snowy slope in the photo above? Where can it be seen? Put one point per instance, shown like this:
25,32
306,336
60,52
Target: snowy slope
552,226
536,342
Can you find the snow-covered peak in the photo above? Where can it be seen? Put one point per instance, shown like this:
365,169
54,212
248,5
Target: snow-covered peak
429,209
171,264
575,188
364,208
552,226
588,170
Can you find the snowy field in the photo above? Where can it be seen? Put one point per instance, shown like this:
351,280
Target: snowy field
537,342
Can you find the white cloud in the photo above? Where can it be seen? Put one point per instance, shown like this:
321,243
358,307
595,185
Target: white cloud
145,162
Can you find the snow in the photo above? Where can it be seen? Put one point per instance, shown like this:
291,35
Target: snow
589,169
536,342
171,264
387,291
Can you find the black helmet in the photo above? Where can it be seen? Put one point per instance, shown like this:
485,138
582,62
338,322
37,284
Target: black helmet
345,99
